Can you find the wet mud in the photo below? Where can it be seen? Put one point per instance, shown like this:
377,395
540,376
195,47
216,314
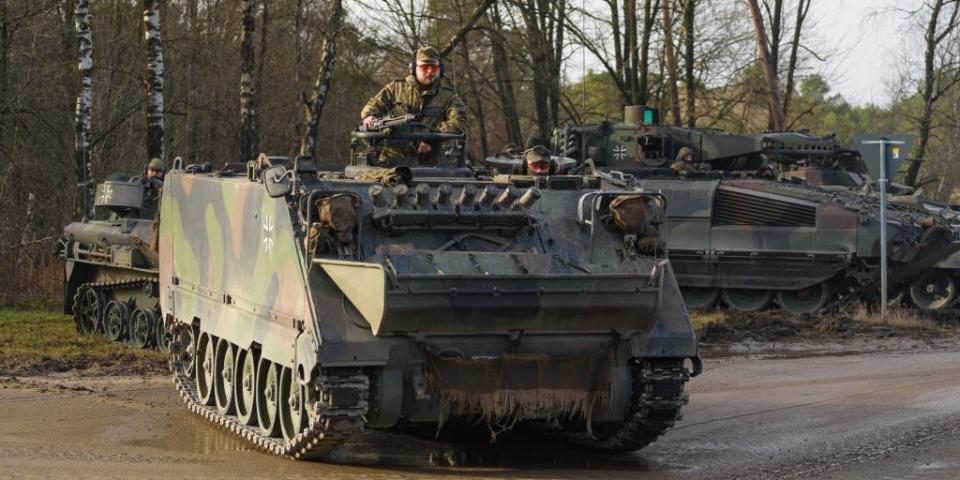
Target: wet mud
755,416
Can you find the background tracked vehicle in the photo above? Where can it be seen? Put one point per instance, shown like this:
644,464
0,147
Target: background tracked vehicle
734,238
309,305
110,266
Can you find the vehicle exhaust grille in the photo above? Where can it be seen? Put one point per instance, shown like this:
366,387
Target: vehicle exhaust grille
736,206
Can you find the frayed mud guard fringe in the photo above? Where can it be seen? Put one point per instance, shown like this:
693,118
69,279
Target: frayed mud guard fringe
513,387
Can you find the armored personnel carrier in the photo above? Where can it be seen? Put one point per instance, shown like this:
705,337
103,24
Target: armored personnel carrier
110,266
310,304
734,231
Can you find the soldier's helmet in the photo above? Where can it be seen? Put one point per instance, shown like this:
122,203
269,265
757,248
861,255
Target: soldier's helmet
683,153
157,164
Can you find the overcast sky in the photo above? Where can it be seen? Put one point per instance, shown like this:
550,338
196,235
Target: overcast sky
870,39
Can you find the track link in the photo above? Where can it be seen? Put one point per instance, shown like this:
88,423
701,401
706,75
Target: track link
328,425
658,397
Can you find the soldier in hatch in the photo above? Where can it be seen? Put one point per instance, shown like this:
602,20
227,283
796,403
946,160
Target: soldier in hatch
684,162
425,94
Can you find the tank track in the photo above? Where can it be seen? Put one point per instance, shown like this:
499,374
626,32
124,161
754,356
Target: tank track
105,287
327,427
658,397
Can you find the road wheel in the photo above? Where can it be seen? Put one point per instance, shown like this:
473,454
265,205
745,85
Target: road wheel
245,387
747,300
805,300
205,368
935,290
292,413
115,321
88,306
268,393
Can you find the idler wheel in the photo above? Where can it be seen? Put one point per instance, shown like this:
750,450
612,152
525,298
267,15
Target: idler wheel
142,326
935,290
224,377
268,398
747,300
292,411
699,297
205,369
805,300
115,321
88,306
244,391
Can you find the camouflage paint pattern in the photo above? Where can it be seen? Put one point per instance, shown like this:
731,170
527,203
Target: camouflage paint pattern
446,273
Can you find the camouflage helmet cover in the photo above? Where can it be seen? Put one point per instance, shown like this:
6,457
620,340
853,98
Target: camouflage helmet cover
157,164
428,55
683,153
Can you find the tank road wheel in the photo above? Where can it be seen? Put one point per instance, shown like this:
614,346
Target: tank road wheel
115,318
245,386
935,290
142,326
87,309
224,377
699,297
292,413
805,300
163,336
747,300
186,350
205,368
268,393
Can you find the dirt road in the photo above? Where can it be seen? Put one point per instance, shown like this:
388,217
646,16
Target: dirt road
867,416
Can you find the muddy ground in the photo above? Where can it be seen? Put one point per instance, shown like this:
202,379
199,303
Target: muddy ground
806,402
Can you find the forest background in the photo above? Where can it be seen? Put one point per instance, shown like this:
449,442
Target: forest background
522,66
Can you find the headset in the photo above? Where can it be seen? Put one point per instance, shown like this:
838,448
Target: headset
413,69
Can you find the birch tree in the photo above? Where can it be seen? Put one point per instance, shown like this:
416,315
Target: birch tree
308,146
154,51
248,100
84,110
673,97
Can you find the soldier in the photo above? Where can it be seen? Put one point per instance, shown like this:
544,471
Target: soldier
684,162
425,94
156,169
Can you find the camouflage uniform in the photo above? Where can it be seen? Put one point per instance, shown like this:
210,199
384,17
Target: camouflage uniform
683,166
437,106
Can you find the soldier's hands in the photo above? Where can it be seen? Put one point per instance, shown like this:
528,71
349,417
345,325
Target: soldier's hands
424,147
368,122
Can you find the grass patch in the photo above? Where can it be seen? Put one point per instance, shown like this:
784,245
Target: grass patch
36,341
896,317
701,319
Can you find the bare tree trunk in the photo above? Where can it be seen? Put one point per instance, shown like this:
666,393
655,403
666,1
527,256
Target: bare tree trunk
248,94
466,27
556,60
308,146
776,106
193,119
151,25
931,90
803,6
671,58
539,56
298,128
475,96
4,67
619,58
689,14
84,111
508,103
632,50
649,20
776,37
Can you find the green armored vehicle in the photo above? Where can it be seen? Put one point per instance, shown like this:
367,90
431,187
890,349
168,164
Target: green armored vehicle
110,265
309,305
736,234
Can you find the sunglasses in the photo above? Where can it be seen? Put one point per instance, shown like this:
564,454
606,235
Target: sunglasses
428,67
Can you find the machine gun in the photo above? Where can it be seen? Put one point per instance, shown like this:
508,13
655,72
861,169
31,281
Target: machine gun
385,123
